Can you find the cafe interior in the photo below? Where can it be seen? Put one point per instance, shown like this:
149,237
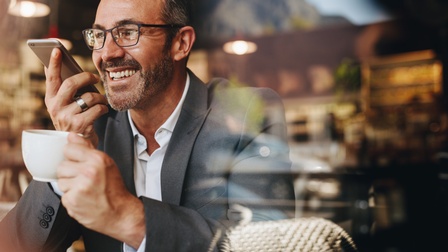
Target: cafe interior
363,83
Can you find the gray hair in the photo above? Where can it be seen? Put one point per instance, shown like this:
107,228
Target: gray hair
175,12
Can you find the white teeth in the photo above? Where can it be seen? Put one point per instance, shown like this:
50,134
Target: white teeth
122,74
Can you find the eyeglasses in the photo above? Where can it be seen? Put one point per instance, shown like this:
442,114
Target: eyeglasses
124,35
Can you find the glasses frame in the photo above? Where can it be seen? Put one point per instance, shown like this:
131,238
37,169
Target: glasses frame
163,26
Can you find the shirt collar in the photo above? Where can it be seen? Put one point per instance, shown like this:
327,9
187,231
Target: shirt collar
170,123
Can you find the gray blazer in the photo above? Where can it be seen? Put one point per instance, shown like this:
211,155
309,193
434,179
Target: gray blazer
228,149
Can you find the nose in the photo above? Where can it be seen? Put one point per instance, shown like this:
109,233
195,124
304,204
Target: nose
110,49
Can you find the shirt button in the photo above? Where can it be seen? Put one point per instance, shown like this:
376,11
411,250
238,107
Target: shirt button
265,151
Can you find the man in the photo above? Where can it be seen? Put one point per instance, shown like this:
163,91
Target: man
177,161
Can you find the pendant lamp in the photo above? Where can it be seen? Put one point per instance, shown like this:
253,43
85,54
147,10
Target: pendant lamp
28,9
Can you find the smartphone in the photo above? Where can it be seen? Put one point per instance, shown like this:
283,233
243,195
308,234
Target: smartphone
43,47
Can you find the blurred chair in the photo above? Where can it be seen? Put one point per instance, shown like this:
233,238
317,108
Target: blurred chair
9,190
24,180
2,181
301,234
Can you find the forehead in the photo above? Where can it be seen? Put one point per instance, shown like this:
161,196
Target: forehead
111,12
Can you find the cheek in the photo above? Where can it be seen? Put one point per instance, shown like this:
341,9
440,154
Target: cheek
140,55
96,58
146,54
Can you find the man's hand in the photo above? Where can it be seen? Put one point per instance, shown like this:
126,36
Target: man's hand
65,113
95,195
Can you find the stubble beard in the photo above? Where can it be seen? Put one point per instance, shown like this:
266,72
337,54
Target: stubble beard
153,83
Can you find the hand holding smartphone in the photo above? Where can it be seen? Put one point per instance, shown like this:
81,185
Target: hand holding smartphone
43,47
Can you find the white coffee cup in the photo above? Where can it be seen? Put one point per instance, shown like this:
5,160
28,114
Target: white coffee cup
42,152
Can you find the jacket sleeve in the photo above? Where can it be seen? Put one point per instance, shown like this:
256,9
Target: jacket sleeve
38,222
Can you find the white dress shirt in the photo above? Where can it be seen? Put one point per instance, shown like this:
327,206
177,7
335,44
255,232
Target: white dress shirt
147,168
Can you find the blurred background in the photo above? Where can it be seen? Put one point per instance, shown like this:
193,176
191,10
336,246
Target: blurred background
363,82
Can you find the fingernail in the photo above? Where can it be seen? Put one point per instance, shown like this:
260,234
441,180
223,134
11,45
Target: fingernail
54,53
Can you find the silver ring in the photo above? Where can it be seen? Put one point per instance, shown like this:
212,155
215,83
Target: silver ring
81,103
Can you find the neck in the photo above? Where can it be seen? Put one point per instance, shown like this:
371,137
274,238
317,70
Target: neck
149,118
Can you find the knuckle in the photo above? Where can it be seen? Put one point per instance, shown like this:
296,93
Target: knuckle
69,203
87,185
99,158
104,109
78,125
91,174
47,101
50,78
52,111
69,85
58,119
92,77
100,109
88,97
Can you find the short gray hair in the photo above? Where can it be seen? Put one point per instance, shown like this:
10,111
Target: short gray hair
176,12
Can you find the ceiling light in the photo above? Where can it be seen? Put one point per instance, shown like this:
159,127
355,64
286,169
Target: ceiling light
240,47
28,9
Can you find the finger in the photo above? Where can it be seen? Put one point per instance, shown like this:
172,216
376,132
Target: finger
69,183
81,122
77,151
70,119
53,73
90,99
66,170
64,185
71,85
67,174
75,138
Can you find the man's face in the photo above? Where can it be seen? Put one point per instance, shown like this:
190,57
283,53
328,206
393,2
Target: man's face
134,75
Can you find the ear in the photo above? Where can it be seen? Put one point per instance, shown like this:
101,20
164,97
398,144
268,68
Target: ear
183,43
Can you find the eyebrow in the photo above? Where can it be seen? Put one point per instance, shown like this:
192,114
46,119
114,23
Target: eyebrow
121,22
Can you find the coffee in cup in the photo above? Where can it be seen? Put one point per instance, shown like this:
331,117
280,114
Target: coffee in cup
42,152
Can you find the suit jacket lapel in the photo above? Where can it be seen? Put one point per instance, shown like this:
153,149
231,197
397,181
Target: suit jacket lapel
120,146
193,114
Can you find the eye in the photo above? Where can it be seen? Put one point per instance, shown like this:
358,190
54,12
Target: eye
127,32
97,34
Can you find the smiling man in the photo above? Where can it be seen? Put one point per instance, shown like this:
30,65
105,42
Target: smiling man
163,162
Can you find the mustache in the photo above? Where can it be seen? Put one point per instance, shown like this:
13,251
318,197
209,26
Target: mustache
120,63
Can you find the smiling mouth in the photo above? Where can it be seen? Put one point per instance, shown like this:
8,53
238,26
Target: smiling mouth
122,74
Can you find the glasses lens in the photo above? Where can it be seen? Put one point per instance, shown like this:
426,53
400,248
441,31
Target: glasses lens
126,35
94,38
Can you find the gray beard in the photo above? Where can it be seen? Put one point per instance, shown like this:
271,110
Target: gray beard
154,81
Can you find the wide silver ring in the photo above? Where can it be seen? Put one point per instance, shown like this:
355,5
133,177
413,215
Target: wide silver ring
81,103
